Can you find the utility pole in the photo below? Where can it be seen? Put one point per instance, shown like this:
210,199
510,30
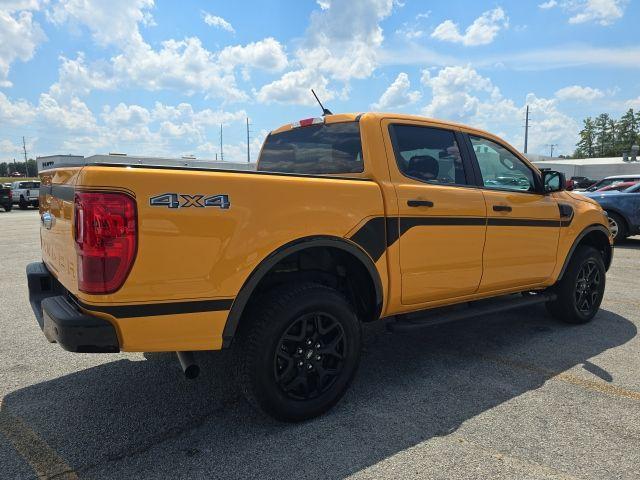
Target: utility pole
551,147
24,149
248,151
221,152
526,130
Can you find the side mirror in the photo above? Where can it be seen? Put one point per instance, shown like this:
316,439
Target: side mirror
553,181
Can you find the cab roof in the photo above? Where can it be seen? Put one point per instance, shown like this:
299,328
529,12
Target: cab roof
351,117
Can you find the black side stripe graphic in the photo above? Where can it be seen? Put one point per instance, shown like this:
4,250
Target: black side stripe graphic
406,223
378,233
522,222
371,237
155,309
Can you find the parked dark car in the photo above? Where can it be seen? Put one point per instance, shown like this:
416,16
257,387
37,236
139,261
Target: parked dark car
6,198
623,209
582,182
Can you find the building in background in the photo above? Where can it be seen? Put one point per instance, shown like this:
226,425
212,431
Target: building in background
594,168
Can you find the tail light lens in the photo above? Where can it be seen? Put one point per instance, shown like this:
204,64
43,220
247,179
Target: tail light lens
10,194
106,240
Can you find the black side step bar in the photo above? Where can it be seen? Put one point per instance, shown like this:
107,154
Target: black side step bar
437,316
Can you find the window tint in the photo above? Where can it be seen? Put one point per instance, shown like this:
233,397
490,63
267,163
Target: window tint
29,185
500,168
317,149
428,154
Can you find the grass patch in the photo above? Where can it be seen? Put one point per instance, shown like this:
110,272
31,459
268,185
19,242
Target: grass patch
15,179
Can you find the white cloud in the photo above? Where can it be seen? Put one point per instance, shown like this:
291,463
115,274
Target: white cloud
342,42
19,36
267,54
482,31
111,23
218,22
75,115
295,88
547,5
579,93
398,94
461,94
76,78
604,12
633,103
343,38
183,65
19,112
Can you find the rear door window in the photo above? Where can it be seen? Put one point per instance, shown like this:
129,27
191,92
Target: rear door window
428,154
333,148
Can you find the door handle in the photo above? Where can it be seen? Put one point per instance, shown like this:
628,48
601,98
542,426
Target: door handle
501,208
419,203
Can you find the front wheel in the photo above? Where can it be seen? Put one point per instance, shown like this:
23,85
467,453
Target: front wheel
22,204
580,291
617,226
298,351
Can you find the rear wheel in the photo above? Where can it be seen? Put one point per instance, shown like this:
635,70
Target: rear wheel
617,226
580,291
23,204
8,207
298,352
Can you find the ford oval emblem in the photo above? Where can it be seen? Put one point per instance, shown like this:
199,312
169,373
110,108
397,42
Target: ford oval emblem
47,220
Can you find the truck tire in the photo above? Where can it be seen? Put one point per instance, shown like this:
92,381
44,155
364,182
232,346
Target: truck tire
580,291
7,208
618,227
298,351
22,204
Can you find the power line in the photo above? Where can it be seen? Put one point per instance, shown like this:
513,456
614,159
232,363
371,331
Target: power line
248,148
26,163
526,130
551,147
221,151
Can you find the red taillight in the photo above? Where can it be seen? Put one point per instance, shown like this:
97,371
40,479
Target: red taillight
10,194
106,240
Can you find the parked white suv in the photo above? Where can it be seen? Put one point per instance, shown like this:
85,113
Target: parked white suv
25,193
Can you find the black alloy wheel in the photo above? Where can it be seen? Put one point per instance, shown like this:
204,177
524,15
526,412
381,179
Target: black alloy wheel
587,291
310,356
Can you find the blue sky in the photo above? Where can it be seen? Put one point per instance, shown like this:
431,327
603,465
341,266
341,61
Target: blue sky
159,77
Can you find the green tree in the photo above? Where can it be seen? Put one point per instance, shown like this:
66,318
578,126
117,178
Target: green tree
604,136
628,130
587,142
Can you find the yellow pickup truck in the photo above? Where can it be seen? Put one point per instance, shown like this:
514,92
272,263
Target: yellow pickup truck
347,219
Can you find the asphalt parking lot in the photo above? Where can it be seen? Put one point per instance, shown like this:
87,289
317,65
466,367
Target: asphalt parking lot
511,396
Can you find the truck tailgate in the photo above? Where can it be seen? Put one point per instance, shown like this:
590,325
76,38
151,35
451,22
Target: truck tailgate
56,227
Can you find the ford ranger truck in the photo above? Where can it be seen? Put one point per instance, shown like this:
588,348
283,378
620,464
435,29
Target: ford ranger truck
349,218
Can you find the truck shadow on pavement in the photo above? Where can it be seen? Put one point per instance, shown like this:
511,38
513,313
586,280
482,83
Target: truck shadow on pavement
127,418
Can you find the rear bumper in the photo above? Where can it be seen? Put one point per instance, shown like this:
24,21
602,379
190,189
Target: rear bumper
62,321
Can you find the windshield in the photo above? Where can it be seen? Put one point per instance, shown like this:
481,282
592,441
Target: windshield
318,149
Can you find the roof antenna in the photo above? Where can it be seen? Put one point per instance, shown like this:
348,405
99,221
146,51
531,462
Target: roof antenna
325,111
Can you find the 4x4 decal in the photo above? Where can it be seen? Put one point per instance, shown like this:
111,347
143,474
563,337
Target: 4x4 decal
183,200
